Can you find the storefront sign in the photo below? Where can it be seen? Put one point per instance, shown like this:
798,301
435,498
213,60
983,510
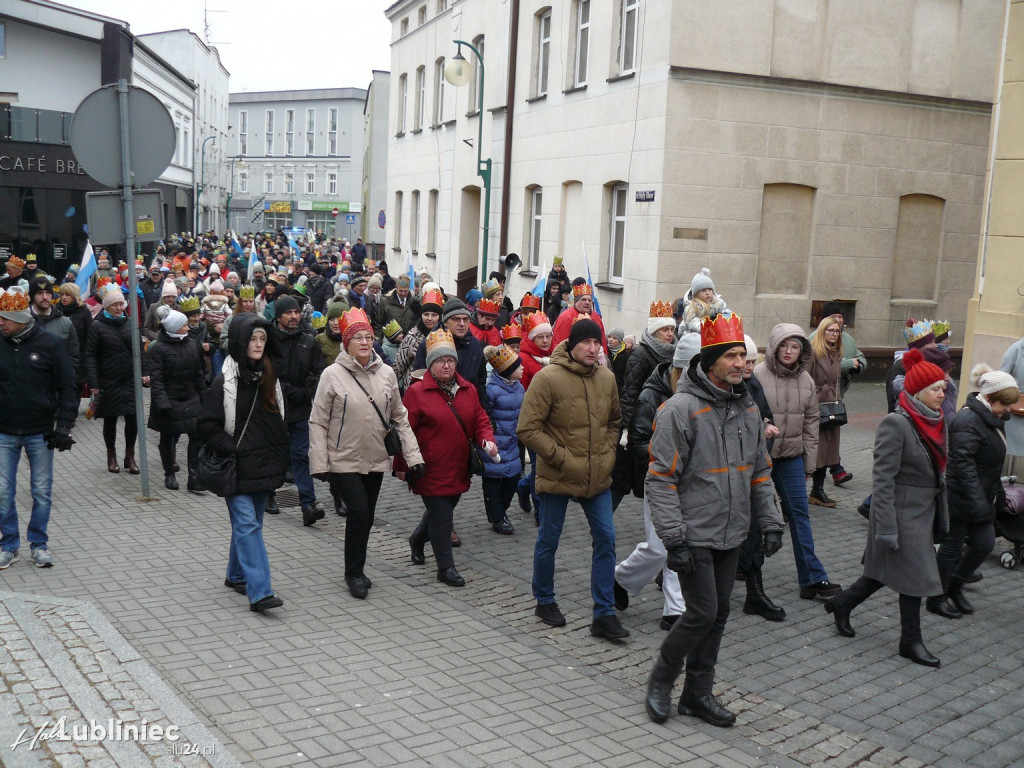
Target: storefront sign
6,251
60,251
279,207
39,164
330,205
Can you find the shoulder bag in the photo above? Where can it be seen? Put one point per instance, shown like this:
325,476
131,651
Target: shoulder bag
217,472
392,443
476,464
831,414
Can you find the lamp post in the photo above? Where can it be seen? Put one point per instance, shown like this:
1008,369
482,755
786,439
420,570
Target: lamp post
458,72
231,188
202,179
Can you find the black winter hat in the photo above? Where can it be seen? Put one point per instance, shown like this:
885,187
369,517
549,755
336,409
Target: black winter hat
316,268
284,304
39,285
583,329
831,308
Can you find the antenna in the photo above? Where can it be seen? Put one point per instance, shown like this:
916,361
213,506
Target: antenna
206,24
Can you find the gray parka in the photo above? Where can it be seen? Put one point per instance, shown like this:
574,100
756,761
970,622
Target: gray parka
709,466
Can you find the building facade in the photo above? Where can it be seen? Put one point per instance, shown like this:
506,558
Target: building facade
375,162
299,160
803,151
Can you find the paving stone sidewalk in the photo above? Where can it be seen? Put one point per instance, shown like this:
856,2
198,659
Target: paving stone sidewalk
421,674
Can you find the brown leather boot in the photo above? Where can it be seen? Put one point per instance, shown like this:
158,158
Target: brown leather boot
129,463
112,461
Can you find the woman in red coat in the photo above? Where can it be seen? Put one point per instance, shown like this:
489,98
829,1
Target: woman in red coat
444,441
535,348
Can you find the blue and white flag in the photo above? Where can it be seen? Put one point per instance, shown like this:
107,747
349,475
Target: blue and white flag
590,282
86,270
294,245
542,281
235,245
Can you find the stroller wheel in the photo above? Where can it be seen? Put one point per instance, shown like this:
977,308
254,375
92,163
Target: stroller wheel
1007,560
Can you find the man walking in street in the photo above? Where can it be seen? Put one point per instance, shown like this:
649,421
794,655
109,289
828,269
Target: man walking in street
298,369
709,471
49,318
570,418
37,381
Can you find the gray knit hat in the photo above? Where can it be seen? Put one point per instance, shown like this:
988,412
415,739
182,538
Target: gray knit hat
687,348
453,308
701,281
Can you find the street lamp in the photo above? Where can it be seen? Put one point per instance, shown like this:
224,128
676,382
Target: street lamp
231,189
458,72
202,180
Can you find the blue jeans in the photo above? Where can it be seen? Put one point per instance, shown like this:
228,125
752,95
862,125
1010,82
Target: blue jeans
216,361
791,483
602,564
247,556
40,462
298,447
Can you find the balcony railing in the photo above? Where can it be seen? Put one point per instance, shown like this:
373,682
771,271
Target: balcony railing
42,126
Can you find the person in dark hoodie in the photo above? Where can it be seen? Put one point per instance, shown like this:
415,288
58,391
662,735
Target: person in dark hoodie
318,288
244,415
471,366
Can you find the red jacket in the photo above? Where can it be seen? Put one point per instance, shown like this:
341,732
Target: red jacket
489,337
560,331
443,443
528,354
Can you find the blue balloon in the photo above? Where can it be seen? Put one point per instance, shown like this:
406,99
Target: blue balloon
69,212
85,228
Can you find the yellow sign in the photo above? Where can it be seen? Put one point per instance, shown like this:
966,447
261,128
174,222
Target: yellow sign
145,226
285,207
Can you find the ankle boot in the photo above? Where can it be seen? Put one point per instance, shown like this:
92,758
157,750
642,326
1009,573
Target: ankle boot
818,497
129,463
170,481
940,606
659,690
112,465
917,653
955,593
757,602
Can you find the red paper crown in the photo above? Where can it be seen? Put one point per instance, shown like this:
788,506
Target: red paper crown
433,297
512,331
13,302
721,329
529,300
352,318
661,309
488,307
531,321
583,289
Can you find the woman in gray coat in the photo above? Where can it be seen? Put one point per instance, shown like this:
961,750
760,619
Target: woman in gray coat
1013,364
907,508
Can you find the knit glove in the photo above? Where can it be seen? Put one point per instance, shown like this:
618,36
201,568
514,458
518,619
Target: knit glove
888,540
679,558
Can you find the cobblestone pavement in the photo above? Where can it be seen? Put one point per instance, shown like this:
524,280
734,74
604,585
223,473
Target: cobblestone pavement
422,674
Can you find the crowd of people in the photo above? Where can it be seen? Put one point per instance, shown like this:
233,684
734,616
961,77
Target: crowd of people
283,361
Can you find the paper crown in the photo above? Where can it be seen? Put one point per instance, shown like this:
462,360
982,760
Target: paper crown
102,283
14,261
940,328
353,320
139,263
661,309
531,321
189,306
581,316
501,358
318,320
721,329
917,332
441,339
247,292
491,287
488,307
31,258
557,261
392,329
583,289
13,301
432,297
512,331
529,300
371,263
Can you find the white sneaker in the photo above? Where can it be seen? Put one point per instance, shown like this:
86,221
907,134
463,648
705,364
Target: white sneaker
42,558
7,557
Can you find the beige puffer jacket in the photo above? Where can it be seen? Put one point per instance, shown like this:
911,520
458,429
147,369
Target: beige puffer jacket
792,397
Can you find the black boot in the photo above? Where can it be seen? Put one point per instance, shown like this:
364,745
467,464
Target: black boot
841,614
940,606
818,497
956,595
917,653
272,508
659,690
911,644
170,481
758,603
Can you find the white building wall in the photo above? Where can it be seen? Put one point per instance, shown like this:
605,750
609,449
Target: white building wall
49,70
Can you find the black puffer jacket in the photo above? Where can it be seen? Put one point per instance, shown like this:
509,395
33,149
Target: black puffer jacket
36,374
298,362
976,453
108,365
641,364
656,390
262,453
81,321
177,381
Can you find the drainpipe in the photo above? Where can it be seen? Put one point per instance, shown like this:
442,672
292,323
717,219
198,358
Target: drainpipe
510,102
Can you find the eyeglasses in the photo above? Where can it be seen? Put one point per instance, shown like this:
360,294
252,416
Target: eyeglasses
831,330
363,338
446,363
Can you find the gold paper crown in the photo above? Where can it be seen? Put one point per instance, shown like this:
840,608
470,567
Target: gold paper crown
441,338
531,321
557,261
583,289
529,300
352,318
917,331
940,328
488,307
247,292
721,329
13,301
661,309
392,329
501,358
31,258
512,331
14,261
491,287
318,320
191,304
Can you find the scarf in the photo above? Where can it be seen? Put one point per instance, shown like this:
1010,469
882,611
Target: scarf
930,428
23,334
447,387
663,350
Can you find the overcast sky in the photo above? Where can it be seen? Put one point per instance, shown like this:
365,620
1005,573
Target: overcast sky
270,46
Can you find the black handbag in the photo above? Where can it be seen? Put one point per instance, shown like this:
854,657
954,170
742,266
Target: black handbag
392,443
476,464
217,472
831,414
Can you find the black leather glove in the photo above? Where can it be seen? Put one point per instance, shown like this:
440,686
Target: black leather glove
772,543
680,559
417,471
321,476
61,439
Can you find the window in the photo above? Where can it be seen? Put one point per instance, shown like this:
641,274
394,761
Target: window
243,182
243,145
617,233
403,28
414,229
187,142
310,182
332,183
543,52
289,132
421,16
432,222
270,133
536,200
439,87
403,87
310,131
268,182
289,183
3,40
419,115
243,132
332,131
397,231
784,248
474,86
627,35
442,6
582,42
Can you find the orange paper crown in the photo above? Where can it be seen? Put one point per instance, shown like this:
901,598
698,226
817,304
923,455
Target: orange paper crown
13,302
433,297
351,319
529,300
721,329
488,307
583,289
512,331
14,261
661,309
531,321
581,316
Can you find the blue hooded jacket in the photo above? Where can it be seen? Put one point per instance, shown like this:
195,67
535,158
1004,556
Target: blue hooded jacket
504,399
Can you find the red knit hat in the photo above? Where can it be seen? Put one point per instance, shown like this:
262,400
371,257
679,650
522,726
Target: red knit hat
920,373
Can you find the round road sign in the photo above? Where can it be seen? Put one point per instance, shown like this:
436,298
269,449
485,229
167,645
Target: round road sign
335,212
382,219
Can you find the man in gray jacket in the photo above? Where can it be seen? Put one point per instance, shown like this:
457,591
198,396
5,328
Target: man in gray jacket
709,471
49,317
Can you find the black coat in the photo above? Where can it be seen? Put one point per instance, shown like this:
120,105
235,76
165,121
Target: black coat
298,363
37,376
177,383
641,364
319,292
81,321
976,453
108,366
656,390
